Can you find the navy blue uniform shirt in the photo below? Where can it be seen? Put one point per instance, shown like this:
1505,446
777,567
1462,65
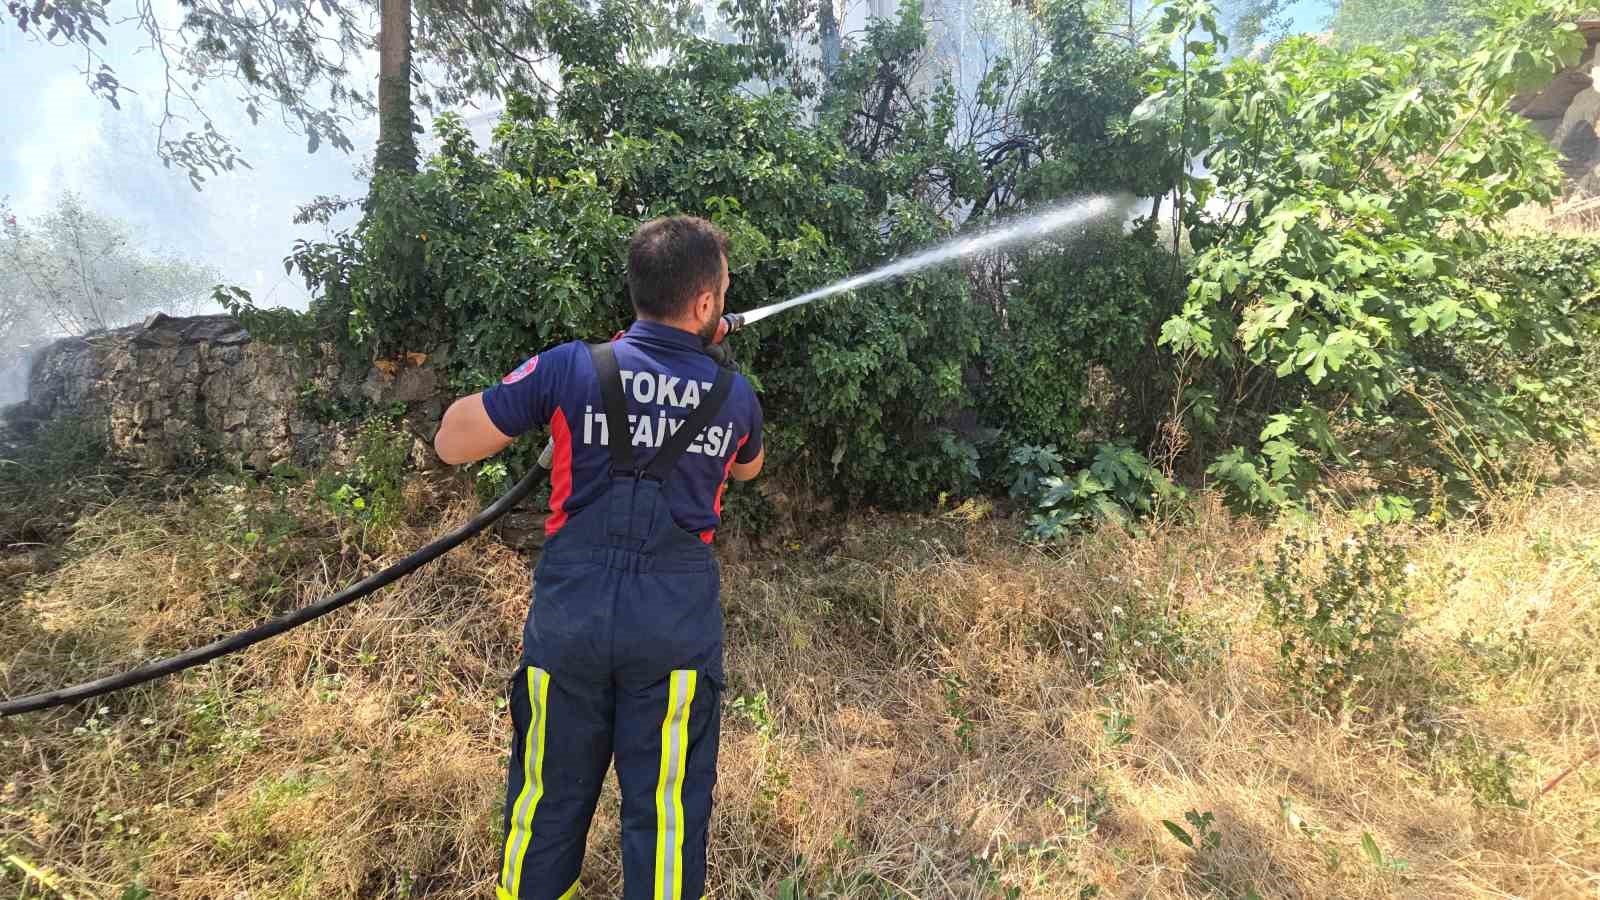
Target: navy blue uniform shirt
664,375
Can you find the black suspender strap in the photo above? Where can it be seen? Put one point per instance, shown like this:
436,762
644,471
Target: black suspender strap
619,434
678,443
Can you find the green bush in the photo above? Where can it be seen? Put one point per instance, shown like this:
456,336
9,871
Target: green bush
527,251
1522,372
1344,307
886,395
1090,309
1338,621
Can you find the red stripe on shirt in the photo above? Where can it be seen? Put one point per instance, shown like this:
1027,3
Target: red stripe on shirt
560,473
710,533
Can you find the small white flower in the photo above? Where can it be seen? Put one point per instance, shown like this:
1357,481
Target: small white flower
1116,610
1098,636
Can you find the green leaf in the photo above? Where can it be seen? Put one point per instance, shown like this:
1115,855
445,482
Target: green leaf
1318,369
1370,847
1114,465
1269,248
1276,426
1231,273
1311,163
1284,455
1057,490
1421,264
1340,345
1178,832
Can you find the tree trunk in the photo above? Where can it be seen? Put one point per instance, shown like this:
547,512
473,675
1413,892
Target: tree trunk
397,141
828,30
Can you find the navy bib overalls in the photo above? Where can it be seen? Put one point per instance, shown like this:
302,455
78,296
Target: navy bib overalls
622,655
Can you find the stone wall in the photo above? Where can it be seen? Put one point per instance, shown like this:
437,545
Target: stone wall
171,390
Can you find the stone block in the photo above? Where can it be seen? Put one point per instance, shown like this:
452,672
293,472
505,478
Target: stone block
415,385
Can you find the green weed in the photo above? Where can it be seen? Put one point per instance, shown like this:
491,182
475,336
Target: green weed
958,710
1336,622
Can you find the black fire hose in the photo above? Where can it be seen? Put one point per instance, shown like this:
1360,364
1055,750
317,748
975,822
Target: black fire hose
273,627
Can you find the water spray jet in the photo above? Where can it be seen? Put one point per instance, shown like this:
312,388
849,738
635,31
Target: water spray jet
1025,230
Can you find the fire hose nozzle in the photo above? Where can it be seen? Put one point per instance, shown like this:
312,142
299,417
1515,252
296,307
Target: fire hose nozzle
730,323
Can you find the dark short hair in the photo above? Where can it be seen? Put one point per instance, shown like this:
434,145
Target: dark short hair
672,260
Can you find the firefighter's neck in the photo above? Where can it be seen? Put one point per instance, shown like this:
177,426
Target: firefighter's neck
700,317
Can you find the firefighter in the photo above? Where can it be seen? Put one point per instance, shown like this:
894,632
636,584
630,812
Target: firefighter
622,650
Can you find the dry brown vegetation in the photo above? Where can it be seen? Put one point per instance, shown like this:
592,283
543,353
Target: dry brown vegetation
918,707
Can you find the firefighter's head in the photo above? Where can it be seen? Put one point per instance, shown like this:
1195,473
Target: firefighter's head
678,273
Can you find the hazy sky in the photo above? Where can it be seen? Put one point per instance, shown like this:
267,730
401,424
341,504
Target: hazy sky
54,135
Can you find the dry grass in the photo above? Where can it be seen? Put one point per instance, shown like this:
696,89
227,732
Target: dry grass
1577,216
928,708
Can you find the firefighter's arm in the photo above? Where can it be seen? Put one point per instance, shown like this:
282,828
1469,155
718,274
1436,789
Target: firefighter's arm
466,434
746,471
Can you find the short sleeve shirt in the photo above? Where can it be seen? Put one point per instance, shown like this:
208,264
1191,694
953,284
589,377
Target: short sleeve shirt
664,374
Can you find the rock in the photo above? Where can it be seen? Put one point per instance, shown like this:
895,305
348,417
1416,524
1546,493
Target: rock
156,332
415,385
162,330
1566,110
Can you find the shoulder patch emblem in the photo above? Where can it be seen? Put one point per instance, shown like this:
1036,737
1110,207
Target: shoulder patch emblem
522,371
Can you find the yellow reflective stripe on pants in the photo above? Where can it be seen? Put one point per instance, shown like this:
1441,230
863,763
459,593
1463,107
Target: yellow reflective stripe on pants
501,893
517,838
669,786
